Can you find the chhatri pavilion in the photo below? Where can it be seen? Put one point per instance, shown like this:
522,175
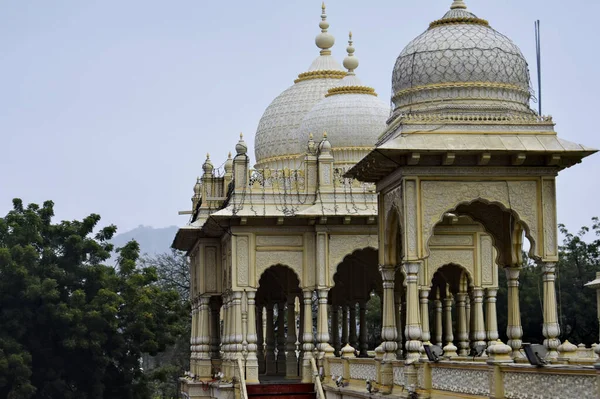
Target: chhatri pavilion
415,208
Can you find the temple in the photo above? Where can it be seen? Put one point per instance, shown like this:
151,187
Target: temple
361,254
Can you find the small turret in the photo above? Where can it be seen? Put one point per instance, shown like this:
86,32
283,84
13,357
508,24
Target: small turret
208,167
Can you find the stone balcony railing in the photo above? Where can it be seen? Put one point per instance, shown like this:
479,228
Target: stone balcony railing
462,377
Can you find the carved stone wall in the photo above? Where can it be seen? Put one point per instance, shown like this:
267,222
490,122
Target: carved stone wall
549,215
336,368
487,261
549,386
292,259
399,378
363,371
439,197
459,380
243,260
439,257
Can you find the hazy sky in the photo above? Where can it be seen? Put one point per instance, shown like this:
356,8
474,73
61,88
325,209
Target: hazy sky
111,106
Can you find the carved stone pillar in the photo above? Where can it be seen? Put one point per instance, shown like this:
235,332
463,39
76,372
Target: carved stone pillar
335,330
215,328
514,330
301,335
270,360
449,349
363,346
413,327
344,324
281,338
438,320
193,336
398,314
491,322
260,350
238,337
389,333
325,349
468,312
307,338
478,325
424,299
225,346
252,338
462,335
291,364
353,338
551,328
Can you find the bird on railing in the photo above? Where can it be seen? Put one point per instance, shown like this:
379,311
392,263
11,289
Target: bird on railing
371,388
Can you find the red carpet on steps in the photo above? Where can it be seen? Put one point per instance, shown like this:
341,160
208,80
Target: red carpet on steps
281,391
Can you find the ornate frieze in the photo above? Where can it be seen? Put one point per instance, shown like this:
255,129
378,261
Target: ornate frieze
363,371
243,260
279,241
523,385
461,380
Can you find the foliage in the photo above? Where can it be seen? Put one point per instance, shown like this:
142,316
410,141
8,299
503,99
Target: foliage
71,327
579,260
373,319
167,367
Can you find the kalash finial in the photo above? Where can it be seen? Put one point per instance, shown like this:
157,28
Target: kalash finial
324,40
350,62
458,4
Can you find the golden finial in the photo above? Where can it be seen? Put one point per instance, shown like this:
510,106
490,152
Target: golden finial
458,4
229,155
324,135
207,156
310,135
241,135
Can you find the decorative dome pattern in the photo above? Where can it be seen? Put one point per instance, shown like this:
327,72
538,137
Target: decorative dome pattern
277,135
461,63
350,120
351,114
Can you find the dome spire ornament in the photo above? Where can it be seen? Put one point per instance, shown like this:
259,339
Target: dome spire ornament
458,4
350,62
324,40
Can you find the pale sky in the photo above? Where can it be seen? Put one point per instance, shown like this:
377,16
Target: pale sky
111,106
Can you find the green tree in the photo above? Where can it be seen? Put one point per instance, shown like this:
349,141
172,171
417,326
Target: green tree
579,260
165,368
70,326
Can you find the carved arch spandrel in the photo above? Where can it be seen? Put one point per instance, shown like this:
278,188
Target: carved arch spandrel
519,199
391,247
343,245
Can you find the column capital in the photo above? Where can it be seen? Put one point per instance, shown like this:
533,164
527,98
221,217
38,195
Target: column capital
410,268
388,272
491,293
512,273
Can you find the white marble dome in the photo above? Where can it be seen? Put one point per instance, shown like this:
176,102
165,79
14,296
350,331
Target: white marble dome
461,64
352,116
277,133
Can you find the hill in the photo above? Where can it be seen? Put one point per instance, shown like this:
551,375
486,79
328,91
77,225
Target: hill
152,240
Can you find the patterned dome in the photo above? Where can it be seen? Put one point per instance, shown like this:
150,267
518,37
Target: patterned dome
461,64
277,133
351,114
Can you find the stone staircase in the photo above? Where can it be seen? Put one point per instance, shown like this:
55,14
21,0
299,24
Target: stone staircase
281,391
